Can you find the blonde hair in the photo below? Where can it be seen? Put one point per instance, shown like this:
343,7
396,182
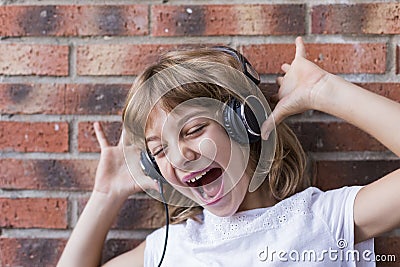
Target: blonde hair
286,176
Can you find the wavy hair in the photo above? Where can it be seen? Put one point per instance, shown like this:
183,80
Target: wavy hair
287,174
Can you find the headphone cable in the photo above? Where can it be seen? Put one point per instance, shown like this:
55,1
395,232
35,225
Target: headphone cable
160,184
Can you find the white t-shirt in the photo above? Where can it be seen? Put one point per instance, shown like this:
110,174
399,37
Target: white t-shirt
310,228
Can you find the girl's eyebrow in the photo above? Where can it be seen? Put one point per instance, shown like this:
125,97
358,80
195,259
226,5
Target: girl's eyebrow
193,114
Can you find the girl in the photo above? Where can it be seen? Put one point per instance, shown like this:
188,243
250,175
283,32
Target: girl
283,220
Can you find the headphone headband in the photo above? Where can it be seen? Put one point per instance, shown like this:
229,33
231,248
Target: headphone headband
247,68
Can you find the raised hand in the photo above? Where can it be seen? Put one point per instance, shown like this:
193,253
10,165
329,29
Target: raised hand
298,88
112,175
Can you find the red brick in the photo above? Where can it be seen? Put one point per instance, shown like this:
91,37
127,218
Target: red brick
137,213
33,212
115,247
120,59
207,20
34,136
335,58
104,99
47,174
32,98
371,18
268,58
385,246
329,137
87,141
74,20
335,174
389,90
34,59
30,251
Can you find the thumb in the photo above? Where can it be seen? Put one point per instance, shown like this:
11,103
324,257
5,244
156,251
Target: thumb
274,119
267,127
300,49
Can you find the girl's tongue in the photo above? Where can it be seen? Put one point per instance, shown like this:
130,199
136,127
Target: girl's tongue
207,185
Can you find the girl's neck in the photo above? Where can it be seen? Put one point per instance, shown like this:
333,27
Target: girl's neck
261,198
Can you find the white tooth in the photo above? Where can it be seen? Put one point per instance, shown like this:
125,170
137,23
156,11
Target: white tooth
198,176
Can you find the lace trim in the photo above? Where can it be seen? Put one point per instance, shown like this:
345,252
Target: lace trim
214,228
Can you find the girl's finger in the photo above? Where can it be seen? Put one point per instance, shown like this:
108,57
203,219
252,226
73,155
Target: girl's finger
100,135
267,127
285,67
300,49
277,116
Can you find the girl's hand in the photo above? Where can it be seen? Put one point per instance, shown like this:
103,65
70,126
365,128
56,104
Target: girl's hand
298,90
112,175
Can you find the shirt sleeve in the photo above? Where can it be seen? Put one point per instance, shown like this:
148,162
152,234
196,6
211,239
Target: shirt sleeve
154,243
336,209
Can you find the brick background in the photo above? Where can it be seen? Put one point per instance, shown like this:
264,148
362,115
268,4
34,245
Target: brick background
210,20
64,66
33,136
33,213
66,20
30,251
33,59
47,174
372,18
335,58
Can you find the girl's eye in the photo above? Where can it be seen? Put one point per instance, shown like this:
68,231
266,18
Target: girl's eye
158,152
195,130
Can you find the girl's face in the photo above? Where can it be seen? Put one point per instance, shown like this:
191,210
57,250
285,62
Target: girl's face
197,157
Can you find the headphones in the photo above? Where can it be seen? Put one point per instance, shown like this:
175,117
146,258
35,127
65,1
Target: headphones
241,119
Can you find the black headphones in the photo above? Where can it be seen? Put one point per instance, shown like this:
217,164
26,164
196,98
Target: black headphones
239,117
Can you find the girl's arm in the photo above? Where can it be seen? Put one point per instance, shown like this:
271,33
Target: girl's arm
85,244
377,204
306,86
113,185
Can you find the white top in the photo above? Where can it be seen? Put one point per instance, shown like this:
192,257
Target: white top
310,228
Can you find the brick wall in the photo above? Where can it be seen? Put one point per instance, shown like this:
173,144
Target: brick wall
63,66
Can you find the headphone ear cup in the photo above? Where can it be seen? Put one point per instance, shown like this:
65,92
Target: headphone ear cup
241,123
150,167
233,122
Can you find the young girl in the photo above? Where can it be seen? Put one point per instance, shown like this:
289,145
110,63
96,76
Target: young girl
283,221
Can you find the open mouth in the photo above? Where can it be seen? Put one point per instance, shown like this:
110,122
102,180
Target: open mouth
208,185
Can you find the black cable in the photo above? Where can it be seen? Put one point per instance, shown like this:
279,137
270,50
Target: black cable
160,184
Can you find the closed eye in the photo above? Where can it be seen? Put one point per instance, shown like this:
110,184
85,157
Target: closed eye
158,151
195,130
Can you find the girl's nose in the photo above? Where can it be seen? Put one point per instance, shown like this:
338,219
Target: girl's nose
181,155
